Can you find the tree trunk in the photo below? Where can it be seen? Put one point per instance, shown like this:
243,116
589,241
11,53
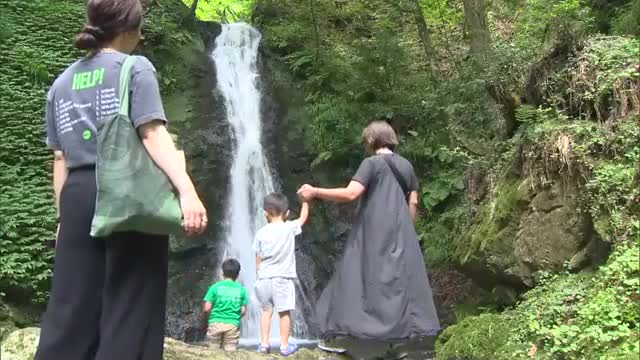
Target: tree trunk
425,35
480,39
194,7
315,31
475,13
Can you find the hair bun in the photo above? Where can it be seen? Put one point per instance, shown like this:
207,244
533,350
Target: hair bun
89,38
95,31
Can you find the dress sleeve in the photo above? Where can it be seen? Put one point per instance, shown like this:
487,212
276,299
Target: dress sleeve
365,173
146,103
413,184
53,141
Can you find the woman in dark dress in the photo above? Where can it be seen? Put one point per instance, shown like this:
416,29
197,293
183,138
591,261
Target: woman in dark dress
380,290
108,294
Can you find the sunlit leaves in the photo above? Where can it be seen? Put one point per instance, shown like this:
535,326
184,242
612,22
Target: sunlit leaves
226,11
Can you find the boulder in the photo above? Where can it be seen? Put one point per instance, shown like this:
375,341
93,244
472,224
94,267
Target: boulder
13,316
521,232
21,345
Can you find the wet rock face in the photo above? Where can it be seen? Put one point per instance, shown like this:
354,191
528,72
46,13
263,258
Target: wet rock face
285,141
197,116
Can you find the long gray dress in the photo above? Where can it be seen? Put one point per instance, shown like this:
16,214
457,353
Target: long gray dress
380,289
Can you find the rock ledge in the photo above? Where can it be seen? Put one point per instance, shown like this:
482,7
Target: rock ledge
21,345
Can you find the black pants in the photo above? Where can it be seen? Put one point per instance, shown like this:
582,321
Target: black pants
108,295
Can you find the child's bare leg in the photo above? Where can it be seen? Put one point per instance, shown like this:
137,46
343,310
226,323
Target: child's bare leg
265,326
285,327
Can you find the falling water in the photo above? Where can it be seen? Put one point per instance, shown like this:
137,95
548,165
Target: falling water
235,56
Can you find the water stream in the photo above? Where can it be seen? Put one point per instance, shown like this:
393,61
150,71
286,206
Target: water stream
235,56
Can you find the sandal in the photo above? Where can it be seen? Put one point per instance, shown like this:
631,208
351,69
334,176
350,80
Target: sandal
264,349
290,349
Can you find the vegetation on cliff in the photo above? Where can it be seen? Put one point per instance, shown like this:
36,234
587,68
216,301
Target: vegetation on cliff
520,116
35,45
522,119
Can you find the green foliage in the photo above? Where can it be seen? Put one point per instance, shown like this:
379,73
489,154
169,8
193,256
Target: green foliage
577,316
332,128
542,21
601,82
611,189
484,337
32,54
167,31
440,188
628,20
568,316
438,232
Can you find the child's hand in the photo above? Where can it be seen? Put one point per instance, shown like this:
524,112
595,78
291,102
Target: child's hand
306,192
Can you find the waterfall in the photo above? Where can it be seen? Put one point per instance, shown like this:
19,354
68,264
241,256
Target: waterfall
235,56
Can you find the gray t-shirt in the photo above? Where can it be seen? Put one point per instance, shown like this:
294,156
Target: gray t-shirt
275,245
370,169
86,92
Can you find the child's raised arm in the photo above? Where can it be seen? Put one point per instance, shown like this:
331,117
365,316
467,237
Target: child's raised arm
304,213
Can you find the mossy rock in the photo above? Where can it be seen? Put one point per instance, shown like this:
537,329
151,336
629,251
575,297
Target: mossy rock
520,231
483,337
21,345
13,317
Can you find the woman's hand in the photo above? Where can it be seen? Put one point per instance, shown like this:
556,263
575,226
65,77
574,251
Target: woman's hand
307,192
193,212
159,144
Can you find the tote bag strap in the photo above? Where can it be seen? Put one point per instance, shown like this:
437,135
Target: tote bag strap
125,76
396,173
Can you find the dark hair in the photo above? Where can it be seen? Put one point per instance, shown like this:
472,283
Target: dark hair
379,134
276,204
231,269
107,19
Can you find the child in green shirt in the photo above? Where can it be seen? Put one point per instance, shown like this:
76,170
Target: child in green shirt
226,302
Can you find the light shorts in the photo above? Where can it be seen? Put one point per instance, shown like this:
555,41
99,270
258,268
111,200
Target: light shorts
276,293
224,336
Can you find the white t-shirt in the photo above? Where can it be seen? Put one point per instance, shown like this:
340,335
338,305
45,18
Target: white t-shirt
275,245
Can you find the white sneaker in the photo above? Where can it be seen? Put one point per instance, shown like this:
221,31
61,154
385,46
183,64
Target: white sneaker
323,346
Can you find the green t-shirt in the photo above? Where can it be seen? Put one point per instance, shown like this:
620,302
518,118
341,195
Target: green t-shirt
227,298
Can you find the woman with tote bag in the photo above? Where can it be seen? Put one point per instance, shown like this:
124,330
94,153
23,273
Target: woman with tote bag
108,293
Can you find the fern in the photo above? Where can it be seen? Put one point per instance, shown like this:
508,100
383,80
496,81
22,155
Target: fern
526,113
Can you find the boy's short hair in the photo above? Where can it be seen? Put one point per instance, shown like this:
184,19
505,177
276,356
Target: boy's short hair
276,204
231,268
379,134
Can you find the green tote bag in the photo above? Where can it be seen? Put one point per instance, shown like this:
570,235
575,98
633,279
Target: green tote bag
133,193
